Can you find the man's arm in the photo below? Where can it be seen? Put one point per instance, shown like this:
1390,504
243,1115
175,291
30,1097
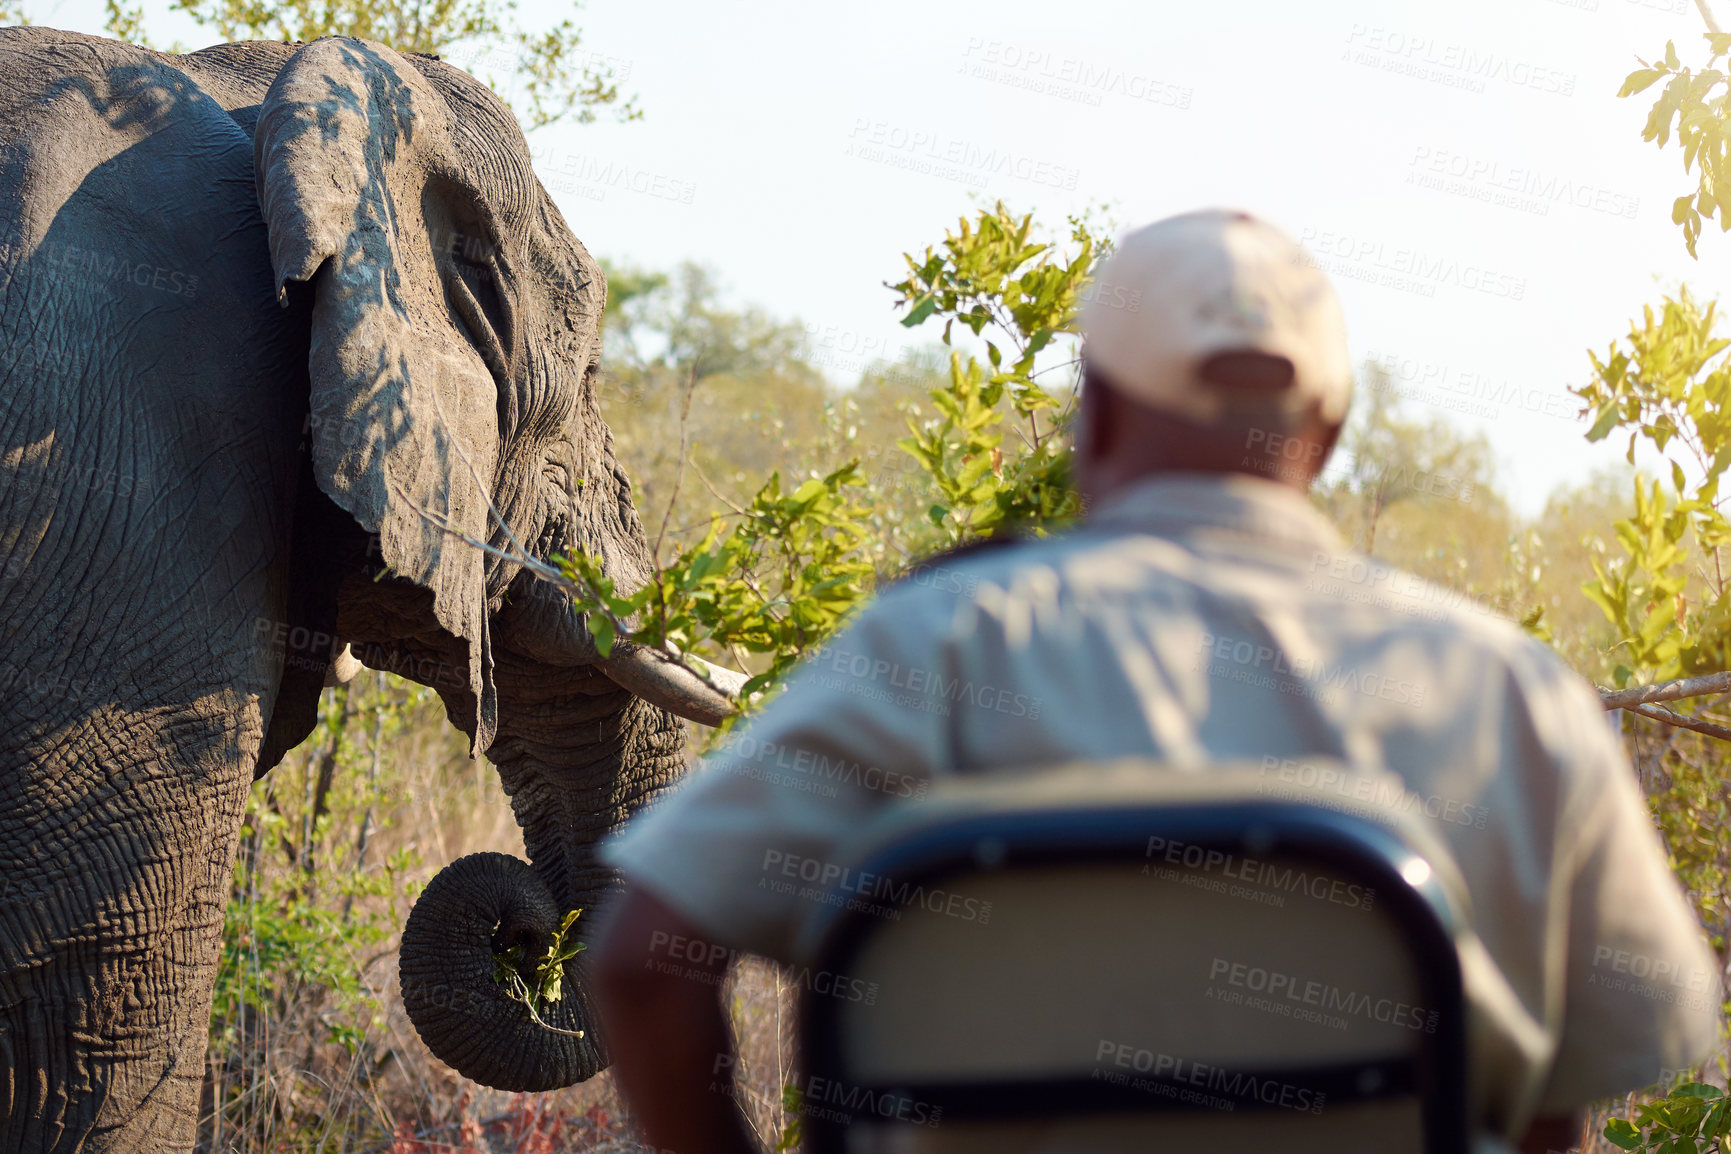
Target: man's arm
667,1033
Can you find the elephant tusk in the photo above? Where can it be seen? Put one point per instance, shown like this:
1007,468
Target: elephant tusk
661,681
343,668
724,679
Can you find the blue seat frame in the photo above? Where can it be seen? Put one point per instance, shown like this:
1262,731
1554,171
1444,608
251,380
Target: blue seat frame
1409,891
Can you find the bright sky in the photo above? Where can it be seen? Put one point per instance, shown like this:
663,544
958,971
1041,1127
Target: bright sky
1465,171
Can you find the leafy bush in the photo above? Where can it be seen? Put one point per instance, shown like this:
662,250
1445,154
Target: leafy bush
792,567
1692,1119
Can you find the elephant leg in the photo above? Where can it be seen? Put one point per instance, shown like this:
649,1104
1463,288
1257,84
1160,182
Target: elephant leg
111,924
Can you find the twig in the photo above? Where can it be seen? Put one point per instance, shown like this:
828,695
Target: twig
492,509
678,473
678,479
539,568
1666,691
519,991
714,492
1670,717
713,517
1707,16
1052,368
547,573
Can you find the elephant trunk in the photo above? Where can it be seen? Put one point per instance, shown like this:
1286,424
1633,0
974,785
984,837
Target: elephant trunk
576,765
477,908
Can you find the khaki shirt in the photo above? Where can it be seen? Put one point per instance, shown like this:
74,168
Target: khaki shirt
1200,620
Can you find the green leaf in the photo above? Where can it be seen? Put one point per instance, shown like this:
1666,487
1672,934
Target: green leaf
923,308
1639,81
601,628
1608,420
1623,1134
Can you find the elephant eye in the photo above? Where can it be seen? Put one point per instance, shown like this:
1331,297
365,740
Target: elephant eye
479,307
477,276
560,475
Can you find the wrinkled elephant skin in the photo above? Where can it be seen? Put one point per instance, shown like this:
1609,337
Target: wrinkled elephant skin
272,318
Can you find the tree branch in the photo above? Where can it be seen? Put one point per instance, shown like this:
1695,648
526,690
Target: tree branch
1669,717
540,569
1707,16
1666,691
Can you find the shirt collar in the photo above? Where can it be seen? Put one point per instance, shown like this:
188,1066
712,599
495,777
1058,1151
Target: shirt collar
1178,504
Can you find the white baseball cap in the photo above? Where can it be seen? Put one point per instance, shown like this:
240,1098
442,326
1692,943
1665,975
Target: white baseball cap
1186,288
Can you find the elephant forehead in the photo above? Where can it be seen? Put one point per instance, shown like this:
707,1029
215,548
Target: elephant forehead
487,151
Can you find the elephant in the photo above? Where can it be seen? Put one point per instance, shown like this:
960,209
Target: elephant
298,364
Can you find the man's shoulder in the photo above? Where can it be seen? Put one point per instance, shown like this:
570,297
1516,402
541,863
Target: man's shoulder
1358,591
1451,627
1407,602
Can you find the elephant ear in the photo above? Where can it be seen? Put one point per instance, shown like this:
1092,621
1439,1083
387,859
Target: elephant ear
359,185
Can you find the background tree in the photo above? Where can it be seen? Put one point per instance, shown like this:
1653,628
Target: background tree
543,72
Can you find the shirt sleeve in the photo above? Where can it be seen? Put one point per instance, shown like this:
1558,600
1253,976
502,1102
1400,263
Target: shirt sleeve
1642,989
746,847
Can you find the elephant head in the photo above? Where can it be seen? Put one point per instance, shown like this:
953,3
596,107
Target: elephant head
454,343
